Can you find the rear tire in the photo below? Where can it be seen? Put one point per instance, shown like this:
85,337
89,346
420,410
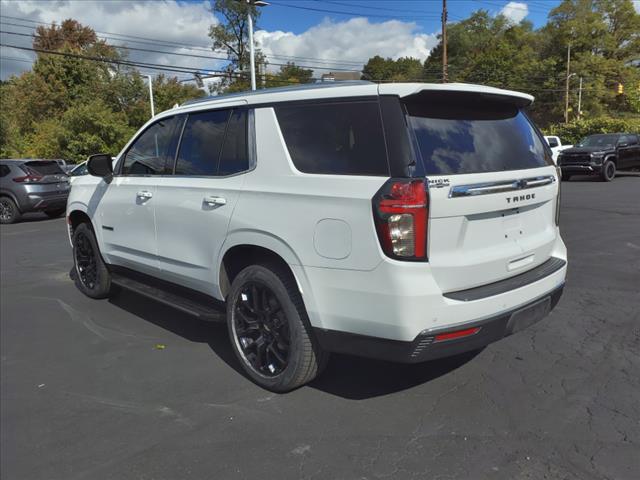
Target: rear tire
608,171
54,213
9,212
270,331
91,274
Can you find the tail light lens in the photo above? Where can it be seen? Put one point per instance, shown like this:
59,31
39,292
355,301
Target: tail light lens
30,177
400,210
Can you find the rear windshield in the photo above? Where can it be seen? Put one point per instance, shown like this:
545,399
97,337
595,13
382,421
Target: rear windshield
44,167
458,134
341,138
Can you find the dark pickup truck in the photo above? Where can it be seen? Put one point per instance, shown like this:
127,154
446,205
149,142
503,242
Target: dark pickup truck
602,155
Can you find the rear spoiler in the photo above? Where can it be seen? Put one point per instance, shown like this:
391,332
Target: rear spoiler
419,91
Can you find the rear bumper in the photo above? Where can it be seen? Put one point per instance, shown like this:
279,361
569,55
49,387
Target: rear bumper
427,345
36,202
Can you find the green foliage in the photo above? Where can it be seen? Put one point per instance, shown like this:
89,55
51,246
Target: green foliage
68,107
574,131
289,74
232,36
491,50
405,69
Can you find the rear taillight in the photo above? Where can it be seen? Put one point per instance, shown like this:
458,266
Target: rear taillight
28,179
400,210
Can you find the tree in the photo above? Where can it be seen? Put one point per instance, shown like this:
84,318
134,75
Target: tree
231,35
69,107
289,74
405,69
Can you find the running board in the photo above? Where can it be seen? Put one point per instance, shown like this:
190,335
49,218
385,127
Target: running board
181,298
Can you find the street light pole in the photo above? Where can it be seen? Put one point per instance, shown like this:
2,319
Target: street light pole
580,99
153,111
445,66
251,53
566,95
252,61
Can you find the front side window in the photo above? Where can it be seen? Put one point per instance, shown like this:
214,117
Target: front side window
201,143
457,135
342,138
152,151
602,141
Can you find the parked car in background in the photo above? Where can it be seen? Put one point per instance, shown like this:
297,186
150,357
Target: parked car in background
601,154
373,220
32,186
556,145
78,171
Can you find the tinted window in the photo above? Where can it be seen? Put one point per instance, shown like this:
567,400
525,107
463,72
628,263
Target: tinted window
553,142
4,170
235,157
45,167
153,150
79,170
455,135
599,141
201,143
335,138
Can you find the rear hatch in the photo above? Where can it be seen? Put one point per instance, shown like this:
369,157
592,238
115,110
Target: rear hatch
492,186
44,172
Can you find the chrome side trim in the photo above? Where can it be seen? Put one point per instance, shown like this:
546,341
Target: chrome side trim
499,186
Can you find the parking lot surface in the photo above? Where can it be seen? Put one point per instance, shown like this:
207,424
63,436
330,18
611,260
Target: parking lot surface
126,388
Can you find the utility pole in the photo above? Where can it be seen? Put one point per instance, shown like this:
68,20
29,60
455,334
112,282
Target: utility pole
566,94
153,111
580,99
445,72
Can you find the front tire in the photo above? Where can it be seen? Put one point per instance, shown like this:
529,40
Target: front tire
9,212
91,274
269,329
608,171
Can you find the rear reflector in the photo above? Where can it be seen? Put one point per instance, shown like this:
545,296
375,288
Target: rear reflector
457,334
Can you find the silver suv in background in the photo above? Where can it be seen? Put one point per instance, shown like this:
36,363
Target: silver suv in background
32,186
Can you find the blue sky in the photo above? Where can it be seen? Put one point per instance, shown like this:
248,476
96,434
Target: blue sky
323,35
288,14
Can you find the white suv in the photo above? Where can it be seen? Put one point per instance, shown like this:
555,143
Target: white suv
399,221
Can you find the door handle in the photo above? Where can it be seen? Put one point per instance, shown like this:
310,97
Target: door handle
144,194
215,200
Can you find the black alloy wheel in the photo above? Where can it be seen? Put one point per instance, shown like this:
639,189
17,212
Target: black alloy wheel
261,329
86,264
9,212
608,171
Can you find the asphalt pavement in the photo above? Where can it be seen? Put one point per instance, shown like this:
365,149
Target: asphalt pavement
130,389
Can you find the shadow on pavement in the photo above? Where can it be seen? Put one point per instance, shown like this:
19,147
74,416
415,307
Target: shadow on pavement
345,376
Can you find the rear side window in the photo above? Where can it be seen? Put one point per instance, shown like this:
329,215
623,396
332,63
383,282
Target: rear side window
457,134
44,167
201,143
343,138
152,151
4,170
235,155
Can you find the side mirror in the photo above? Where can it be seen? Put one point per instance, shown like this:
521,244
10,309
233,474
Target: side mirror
623,144
100,165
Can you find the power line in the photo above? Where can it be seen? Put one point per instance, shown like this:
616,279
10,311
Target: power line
351,14
185,46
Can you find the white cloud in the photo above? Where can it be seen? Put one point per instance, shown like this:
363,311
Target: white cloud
169,20
329,45
515,11
348,44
